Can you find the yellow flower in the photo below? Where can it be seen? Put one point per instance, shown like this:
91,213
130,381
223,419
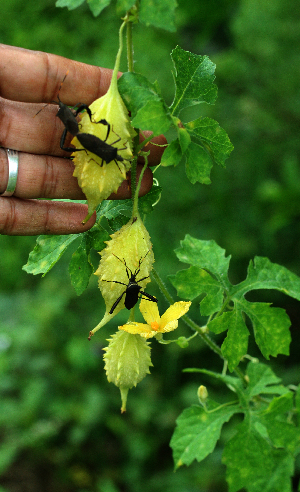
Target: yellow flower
156,324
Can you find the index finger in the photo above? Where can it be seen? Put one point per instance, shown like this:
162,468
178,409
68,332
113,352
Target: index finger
35,76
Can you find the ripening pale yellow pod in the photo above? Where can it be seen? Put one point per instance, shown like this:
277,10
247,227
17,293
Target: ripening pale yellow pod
97,178
129,252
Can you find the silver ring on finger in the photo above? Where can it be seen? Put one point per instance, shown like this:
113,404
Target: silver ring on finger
13,165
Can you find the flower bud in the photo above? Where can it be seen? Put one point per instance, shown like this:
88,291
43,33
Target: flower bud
202,394
182,342
127,361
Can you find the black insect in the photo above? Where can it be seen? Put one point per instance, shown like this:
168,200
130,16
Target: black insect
132,290
107,152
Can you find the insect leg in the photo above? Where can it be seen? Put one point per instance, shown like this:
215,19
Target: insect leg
141,279
104,122
62,141
97,162
116,141
116,302
114,281
82,107
63,138
118,165
148,296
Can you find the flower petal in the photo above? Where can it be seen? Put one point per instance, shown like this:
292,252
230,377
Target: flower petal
150,311
136,328
174,312
172,325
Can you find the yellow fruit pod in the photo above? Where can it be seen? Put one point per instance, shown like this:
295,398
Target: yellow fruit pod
96,178
129,247
127,361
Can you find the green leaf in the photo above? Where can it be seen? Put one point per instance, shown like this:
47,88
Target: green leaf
194,77
259,457
271,327
198,164
148,201
112,208
124,5
184,138
80,268
97,6
172,155
117,222
262,380
205,254
146,105
96,238
282,432
297,400
198,431
71,4
212,136
46,253
158,13
254,464
235,344
194,281
263,274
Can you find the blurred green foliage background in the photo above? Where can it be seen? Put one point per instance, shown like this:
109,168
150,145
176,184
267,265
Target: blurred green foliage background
61,429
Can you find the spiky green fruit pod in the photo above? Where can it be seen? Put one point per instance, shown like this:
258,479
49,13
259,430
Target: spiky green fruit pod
129,247
127,361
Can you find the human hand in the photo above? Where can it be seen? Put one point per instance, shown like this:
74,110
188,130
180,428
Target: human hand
29,79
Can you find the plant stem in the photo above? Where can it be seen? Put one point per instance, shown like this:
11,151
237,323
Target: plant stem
135,207
114,78
129,46
191,324
133,182
188,321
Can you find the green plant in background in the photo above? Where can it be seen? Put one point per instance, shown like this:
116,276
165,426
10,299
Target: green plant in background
260,453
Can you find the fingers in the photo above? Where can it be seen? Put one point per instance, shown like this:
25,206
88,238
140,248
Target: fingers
29,78
20,217
34,76
39,78
32,217
21,128
156,147
52,177
42,176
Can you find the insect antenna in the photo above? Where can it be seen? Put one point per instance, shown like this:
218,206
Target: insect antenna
56,96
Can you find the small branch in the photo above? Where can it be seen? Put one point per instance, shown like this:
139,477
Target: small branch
191,324
129,46
135,207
